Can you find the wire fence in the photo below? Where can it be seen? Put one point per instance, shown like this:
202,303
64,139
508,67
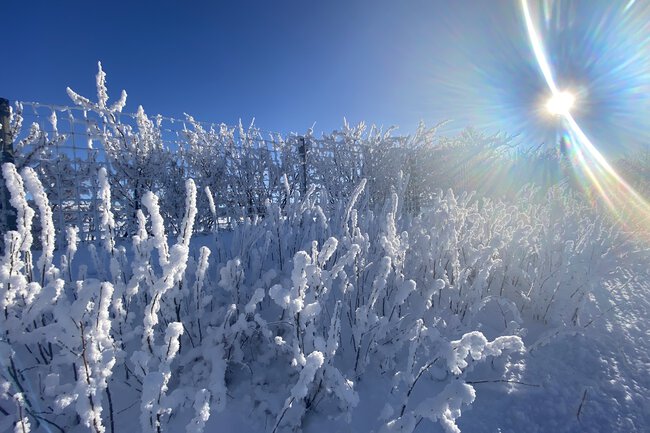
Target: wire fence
246,168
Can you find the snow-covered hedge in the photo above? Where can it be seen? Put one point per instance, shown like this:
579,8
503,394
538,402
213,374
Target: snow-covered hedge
295,308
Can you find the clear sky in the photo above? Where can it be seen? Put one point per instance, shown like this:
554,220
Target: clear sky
290,63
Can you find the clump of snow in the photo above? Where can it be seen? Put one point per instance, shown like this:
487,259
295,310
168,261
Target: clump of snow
202,407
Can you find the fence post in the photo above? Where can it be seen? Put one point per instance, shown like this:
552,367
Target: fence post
302,151
7,213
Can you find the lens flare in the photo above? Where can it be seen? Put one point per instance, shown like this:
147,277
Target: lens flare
624,202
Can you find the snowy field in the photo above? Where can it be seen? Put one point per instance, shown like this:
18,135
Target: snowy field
320,312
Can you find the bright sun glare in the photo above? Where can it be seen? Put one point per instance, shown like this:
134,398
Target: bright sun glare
560,103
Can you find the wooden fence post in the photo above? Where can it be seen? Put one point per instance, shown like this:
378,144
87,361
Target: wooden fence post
7,212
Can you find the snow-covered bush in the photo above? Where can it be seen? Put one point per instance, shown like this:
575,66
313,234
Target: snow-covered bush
299,302
137,157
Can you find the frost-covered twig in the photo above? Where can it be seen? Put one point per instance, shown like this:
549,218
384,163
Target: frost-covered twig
48,235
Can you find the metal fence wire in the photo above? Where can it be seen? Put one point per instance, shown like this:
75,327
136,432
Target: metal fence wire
245,168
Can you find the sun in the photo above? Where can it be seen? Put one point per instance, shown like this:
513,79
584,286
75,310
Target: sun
560,103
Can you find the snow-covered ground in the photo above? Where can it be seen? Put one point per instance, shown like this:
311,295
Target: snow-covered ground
598,381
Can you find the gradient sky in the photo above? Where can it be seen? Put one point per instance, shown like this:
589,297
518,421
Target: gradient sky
290,63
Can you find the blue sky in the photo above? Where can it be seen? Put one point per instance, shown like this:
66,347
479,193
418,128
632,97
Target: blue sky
290,63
